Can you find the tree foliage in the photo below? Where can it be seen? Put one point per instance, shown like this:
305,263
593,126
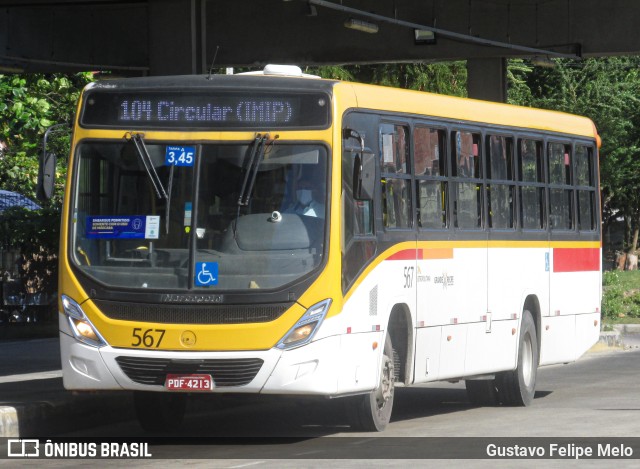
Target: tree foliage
445,78
29,104
607,90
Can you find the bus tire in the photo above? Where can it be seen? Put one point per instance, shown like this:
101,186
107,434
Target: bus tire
159,411
518,387
372,412
482,392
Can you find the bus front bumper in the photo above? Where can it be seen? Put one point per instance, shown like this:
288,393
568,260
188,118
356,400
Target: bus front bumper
318,368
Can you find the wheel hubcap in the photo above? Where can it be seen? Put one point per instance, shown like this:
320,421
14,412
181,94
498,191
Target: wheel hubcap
385,390
527,361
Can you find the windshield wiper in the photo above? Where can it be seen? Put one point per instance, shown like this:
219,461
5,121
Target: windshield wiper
257,153
255,159
145,158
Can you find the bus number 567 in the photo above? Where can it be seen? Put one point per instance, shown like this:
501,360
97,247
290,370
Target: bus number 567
150,338
408,277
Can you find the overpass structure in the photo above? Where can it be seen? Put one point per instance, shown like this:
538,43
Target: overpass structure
160,37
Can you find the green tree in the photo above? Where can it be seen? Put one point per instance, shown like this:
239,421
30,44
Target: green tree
607,90
29,104
444,78
518,89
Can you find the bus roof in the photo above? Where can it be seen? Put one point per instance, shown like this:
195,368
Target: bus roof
375,97
466,109
186,82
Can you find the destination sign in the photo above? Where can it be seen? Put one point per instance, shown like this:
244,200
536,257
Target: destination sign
204,110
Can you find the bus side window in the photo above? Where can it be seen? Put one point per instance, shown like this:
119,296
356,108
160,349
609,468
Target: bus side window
430,170
585,183
395,176
531,178
467,173
501,190
560,190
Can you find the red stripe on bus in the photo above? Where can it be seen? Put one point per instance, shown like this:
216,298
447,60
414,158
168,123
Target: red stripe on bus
576,259
406,255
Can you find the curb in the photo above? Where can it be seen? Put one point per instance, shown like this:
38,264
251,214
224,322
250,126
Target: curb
611,338
616,337
9,426
627,328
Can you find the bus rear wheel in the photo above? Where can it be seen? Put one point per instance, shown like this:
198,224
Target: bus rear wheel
372,412
159,411
518,387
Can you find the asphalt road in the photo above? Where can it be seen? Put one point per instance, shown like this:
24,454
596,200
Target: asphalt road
596,397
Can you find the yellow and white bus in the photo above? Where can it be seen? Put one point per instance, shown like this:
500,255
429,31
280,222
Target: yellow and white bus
283,234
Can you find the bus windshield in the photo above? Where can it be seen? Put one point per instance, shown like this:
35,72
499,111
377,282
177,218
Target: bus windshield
218,216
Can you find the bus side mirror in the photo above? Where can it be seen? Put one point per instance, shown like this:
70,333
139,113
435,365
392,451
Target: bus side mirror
47,176
364,171
48,161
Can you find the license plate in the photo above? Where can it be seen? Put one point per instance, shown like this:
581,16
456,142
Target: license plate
189,382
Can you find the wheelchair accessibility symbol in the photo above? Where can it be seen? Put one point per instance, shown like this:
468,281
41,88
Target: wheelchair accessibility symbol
206,274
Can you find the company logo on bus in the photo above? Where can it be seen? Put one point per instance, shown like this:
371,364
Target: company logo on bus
444,280
421,277
192,299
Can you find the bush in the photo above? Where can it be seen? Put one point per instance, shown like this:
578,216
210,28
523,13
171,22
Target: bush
621,294
613,302
633,300
610,277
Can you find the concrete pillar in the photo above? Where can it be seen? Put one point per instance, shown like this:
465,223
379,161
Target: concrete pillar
487,79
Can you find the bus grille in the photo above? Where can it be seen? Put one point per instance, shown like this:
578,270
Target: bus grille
192,314
225,372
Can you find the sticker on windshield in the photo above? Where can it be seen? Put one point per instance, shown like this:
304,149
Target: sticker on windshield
179,156
127,227
206,274
152,227
188,210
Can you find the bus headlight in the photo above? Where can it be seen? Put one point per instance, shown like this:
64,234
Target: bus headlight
82,328
303,331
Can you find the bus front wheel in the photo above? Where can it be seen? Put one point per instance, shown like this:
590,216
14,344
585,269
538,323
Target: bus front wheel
372,412
518,387
159,411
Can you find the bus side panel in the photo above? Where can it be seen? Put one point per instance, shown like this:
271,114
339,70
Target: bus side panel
452,293
587,332
453,346
435,297
515,273
574,293
427,362
452,286
363,321
358,362
494,350
558,339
